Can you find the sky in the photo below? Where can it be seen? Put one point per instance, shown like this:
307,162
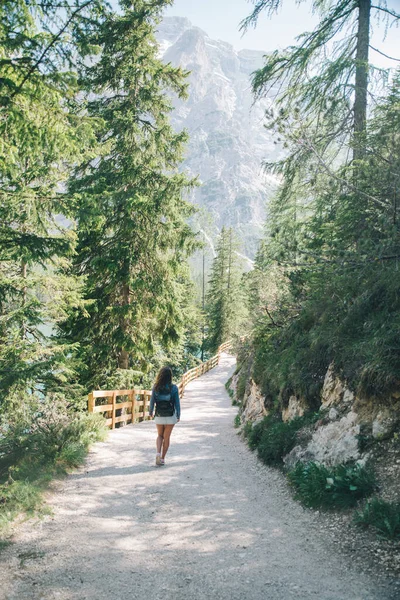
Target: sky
220,20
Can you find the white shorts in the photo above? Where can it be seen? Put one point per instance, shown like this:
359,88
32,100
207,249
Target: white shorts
166,420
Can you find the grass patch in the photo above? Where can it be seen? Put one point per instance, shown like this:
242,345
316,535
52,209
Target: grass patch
231,393
383,516
228,386
340,487
4,544
246,431
241,385
42,444
237,421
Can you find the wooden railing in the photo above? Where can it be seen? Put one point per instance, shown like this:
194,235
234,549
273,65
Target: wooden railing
132,405
225,346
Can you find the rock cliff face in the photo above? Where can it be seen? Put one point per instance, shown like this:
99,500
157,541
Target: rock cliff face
227,139
347,422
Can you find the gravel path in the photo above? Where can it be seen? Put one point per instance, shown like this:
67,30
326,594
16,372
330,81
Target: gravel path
212,524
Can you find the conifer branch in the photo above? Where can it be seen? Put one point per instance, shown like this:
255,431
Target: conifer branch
271,318
383,54
349,185
386,10
49,46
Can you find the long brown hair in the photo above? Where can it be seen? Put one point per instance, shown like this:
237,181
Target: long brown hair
163,379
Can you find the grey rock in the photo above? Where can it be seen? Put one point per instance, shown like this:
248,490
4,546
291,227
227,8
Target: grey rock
384,423
298,454
336,442
333,414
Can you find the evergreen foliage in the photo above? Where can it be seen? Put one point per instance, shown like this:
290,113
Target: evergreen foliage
324,288
225,302
41,139
133,236
94,234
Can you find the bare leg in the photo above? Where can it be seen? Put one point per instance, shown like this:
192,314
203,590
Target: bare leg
167,434
160,437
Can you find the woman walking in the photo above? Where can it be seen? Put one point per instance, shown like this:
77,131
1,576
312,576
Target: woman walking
165,401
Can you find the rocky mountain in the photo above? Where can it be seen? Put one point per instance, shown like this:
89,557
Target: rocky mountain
227,139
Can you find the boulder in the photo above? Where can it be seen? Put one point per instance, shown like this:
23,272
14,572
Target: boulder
298,454
333,414
384,424
336,442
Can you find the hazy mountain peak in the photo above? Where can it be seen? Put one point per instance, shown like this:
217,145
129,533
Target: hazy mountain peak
227,139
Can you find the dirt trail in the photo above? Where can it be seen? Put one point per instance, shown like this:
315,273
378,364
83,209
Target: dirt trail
212,524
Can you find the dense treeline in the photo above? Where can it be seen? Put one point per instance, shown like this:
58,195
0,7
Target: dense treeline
326,288
94,236
94,283
226,314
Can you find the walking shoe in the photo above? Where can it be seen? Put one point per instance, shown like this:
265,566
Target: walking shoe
158,460
162,462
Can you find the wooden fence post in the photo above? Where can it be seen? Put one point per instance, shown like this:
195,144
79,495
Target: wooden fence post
114,401
141,396
91,402
133,405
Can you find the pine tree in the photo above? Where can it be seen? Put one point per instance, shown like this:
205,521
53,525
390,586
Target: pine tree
225,306
41,137
132,226
325,287
322,102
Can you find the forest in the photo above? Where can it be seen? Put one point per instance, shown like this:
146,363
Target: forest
96,234
325,286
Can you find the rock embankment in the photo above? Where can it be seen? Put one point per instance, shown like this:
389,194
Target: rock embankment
348,426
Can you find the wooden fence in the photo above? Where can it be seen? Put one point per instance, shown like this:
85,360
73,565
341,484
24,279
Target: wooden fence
131,406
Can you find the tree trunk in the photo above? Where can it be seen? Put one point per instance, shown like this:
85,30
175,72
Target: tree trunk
24,274
361,83
123,358
229,265
228,314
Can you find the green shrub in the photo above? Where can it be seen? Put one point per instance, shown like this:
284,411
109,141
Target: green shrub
231,393
256,431
21,493
336,487
246,431
278,440
241,385
41,442
382,516
237,421
72,455
39,437
274,438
